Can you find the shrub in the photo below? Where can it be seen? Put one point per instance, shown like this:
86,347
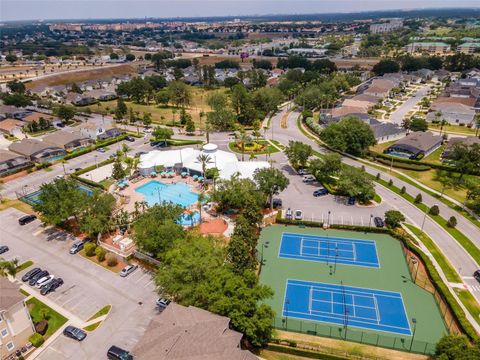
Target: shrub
100,253
111,259
41,327
418,199
90,249
393,218
403,190
434,210
36,339
452,222
390,182
378,176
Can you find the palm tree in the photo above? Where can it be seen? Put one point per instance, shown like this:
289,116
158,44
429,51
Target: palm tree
201,115
204,159
8,268
242,139
201,199
174,111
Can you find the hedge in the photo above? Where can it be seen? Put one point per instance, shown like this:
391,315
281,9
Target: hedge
180,142
92,167
408,241
78,152
402,165
88,182
36,339
103,143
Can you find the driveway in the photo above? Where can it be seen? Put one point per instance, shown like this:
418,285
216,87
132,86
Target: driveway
87,288
397,116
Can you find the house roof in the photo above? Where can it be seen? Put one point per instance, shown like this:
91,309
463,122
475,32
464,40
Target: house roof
190,333
365,97
62,138
9,293
10,124
364,105
347,110
452,107
419,141
468,140
29,147
454,100
35,116
6,155
386,129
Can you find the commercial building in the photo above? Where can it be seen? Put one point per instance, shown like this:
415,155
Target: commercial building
386,27
469,48
16,326
187,160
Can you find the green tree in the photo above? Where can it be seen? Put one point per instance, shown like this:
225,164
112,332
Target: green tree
162,97
16,86
156,229
147,119
452,222
122,107
271,182
464,158
17,100
8,267
355,183
418,124
179,94
393,218
118,172
129,57
59,200
221,120
298,153
11,58
350,135
65,112
90,249
97,216
204,160
241,249
242,104
217,100
326,167
386,66
113,56
454,347
162,133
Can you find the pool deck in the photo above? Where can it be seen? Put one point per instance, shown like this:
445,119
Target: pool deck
134,196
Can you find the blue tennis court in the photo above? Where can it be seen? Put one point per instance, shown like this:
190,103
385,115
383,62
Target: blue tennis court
329,249
346,305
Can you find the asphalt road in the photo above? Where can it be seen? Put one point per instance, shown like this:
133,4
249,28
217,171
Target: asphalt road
458,257
397,116
87,288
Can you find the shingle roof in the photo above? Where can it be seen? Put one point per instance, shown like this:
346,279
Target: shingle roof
29,147
190,333
422,141
62,138
9,294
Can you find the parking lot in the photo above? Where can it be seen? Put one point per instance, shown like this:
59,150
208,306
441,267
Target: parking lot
299,196
87,288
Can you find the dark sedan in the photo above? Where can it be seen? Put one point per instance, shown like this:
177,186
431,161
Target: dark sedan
74,333
51,286
320,192
29,274
38,276
378,221
3,249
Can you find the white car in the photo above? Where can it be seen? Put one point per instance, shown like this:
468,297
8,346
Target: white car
128,270
308,179
44,281
298,214
147,131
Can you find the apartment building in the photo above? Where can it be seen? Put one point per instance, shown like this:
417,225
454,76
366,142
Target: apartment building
428,47
16,325
386,27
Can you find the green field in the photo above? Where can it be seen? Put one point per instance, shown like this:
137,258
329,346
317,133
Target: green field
393,275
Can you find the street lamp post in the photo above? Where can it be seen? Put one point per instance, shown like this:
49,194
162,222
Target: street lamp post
264,245
328,218
414,321
370,221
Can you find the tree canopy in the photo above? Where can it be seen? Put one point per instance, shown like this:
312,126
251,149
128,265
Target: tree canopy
356,183
271,182
298,153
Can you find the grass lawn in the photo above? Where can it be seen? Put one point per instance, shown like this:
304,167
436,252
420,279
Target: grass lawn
164,115
380,147
24,265
55,320
453,128
17,204
470,303
92,327
269,149
103,311
447,268
24,292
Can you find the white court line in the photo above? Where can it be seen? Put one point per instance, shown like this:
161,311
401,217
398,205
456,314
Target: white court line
376,309
354,252
301,246
353,306
310,299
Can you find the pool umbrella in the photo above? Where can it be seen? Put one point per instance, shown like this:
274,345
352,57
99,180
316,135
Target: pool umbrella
184,174
195,177
153,173
200,178
163,174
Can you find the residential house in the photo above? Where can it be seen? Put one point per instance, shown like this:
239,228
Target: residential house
16,325
342,111
110,134
385,132
36,150
428,47
11,162
468,140
453,113
190,333
36,116
415,144
85,101
11,126
380,88
68,140
91,130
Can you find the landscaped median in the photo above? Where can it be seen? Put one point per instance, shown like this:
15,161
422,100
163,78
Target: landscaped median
47,321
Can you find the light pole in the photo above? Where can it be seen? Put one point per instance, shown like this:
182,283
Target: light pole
414,321
328,218
264,245
95,158
370,221
424,218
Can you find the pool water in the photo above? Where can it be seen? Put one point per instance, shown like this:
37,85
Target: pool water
189,220
156,192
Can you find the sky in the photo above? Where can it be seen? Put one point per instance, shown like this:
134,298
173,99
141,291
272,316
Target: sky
110,9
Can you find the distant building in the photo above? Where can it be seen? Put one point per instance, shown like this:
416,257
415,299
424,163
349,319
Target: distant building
415,145
11,162
428,47
190,333
16,325
453,113
469,48
386,27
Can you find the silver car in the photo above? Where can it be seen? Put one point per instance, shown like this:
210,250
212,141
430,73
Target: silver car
128,270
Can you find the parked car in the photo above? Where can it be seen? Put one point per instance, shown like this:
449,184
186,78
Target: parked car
44,281
476,275
101,150
76,247
74,333
320,192
308,179
3,249
289,214
128,270
58,177
26,219
130,138
351,200
298,214
116,353
162,303
147,131
378,221
51,286
302,172
33,280
30,273
61,125
277,202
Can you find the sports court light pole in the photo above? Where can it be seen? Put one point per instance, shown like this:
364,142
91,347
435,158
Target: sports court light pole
287,302
264,245
328,219
336,256
370,221
414,321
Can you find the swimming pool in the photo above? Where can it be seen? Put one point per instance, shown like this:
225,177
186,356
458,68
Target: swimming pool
189,220
156,192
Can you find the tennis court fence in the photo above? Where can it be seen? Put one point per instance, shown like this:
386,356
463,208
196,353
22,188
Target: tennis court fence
421,278
406,343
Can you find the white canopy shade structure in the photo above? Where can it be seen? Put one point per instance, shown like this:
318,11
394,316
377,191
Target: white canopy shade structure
187,158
